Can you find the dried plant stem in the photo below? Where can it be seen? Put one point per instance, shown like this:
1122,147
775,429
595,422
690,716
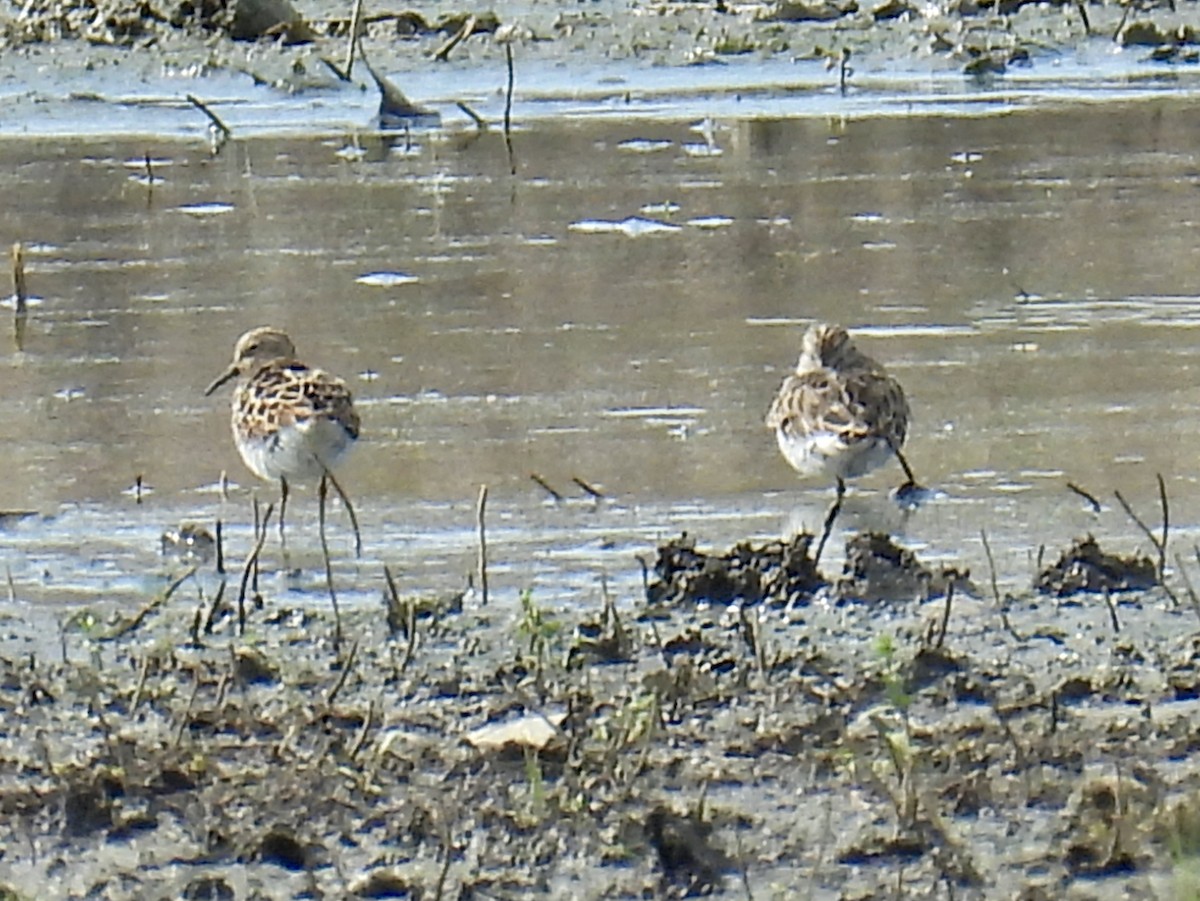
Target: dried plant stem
546,486
1000,606
251,564
20,294
1086,495
587,488
343,676
508,99
322,495
480,511
468,28
1112,611
187,711
212,117
355,29
941,636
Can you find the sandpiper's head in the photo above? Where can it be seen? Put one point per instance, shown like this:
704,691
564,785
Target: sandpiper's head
826,345
254,350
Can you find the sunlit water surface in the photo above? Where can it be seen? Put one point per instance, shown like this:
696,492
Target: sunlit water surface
619,311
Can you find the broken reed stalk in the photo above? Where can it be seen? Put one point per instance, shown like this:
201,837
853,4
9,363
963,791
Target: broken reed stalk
468,28
212,117
480,124
215,608
1086,495
322,496
587,489
361,738
251,565
1159,543
220,548
187,711
1112,610
546,486
987,549
138,618
343,676
20,294
355,27
480,510
941,636
508,98
1087,23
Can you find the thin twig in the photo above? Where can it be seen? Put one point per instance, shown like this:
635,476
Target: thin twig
480,123
251,565
987,549
220,548
215,608
1146,530
546,486
343,676
361,738
322,496
1166,527
1087,496
187,711
440,888
508,99
468,28
130,624
587,489
212,117
1187,581
941,636
355,27
143,672
480,510
1112,610
20,294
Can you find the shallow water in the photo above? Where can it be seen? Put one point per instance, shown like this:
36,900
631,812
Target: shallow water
621,310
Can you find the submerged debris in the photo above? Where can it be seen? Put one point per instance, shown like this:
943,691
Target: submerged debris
1085,567
778,571
878,569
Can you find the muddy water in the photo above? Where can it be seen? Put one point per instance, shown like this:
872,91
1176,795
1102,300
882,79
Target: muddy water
621,310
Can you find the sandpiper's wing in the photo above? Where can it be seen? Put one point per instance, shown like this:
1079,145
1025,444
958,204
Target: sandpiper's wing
854,405
293,394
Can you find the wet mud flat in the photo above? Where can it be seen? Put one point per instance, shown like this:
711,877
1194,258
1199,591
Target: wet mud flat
750,727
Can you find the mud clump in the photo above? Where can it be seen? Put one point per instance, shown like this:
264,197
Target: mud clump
779,572
878,569
1084,567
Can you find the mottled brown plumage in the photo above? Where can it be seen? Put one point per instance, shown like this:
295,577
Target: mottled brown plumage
290,422
839,412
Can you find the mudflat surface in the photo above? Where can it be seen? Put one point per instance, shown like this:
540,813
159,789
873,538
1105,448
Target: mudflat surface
630,713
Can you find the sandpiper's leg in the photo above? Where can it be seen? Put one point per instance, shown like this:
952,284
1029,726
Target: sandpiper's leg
829,519
283,496
912,480
322,495
349,509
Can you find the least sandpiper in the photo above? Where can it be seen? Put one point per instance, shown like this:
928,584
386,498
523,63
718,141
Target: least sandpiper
290,422
839,414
